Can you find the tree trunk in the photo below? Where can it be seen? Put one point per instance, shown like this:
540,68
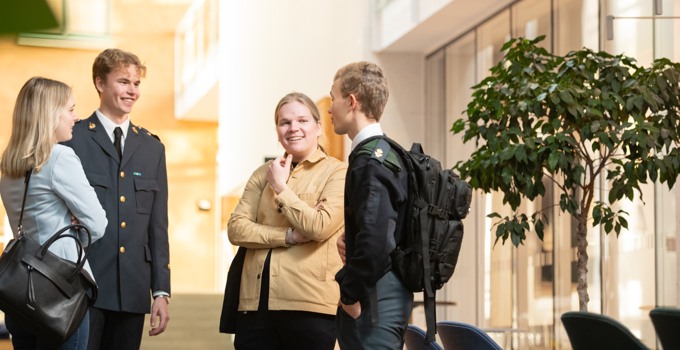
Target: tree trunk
582,262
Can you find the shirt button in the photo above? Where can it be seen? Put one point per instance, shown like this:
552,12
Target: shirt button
123,224
258,276
122,174
122,199
122,250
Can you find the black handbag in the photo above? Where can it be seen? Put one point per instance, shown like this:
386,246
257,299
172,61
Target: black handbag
45,294
232,291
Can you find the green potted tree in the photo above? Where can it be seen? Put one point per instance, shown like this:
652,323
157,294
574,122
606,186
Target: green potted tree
574,119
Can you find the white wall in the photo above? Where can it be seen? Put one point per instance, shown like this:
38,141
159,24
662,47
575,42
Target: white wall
270,48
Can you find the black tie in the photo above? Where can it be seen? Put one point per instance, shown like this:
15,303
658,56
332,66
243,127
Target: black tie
118,132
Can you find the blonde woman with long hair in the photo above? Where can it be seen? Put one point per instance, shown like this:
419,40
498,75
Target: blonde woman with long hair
58,192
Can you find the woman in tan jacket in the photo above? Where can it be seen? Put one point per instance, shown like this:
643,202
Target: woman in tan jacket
288,218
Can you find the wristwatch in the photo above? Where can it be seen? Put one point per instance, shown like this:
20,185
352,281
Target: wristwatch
289,237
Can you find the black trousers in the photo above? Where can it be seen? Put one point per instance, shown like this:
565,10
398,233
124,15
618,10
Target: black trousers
115,330
284,330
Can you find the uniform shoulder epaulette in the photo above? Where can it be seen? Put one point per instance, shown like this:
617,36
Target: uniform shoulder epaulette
138,129
380,150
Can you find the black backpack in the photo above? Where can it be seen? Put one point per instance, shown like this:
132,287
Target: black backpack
438,200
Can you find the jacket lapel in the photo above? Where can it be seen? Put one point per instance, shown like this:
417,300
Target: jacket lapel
132,142
100,137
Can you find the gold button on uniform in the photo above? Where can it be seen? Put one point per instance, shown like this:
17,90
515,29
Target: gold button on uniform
122,249
123,224
122,174
122,199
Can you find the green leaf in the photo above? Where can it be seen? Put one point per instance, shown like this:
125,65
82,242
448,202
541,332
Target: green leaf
507,153
630,103
608,226
597,215
566,96
595,126
458,126
539,229
552,161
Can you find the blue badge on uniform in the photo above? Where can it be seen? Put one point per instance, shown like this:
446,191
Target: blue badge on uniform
136,173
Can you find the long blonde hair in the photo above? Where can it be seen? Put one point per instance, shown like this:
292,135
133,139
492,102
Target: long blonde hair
36,115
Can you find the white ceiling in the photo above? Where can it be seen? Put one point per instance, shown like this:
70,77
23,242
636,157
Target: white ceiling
445,25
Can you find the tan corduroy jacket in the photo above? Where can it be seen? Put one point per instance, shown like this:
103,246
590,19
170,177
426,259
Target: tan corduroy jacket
301,276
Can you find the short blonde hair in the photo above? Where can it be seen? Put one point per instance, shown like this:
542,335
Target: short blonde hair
110,60
36,115
368,83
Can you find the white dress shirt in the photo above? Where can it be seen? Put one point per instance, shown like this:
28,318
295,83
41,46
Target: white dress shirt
109,126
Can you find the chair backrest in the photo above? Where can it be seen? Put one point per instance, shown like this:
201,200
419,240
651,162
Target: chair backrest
667,325
415,339
458,335
587,330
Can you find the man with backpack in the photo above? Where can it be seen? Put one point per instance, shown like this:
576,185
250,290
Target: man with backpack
375,305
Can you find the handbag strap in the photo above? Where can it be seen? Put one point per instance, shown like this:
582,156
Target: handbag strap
77,227
23,202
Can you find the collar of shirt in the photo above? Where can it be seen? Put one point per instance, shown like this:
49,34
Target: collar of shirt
109,126
313,158
368,131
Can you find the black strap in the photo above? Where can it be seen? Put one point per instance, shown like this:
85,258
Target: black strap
23,202
428,296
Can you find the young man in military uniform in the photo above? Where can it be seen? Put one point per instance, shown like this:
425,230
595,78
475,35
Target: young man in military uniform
375,306
126,166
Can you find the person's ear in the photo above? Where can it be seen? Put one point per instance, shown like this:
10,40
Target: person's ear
353,101
99,84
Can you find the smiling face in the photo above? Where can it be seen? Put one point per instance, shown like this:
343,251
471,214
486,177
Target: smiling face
67,118
297,130
119,92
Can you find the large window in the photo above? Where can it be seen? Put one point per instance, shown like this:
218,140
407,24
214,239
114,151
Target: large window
666,35
82,24
520,293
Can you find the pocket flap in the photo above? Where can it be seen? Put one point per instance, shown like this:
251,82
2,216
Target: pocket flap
97,179
146,185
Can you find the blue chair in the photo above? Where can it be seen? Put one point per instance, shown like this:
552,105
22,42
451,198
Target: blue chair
667,326
458,335
591,331
415,339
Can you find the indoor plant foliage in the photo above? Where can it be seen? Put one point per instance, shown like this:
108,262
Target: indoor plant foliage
574,119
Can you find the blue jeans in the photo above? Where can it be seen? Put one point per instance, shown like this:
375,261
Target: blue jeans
23,340
395,303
